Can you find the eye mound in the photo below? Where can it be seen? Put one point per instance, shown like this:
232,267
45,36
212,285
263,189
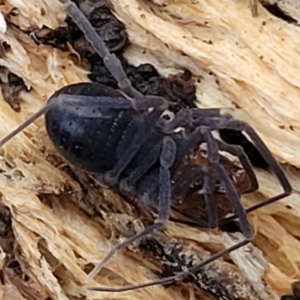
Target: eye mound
168,115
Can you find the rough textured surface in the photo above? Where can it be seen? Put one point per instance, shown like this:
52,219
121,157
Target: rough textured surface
61,220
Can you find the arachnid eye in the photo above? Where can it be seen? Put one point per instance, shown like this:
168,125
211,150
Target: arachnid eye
168,115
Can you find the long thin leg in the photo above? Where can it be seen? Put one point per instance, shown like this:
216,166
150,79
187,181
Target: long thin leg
184,185
109,59
186,116
140,137
227,122
93,101
200,113
187,144
240,154
266,154
136,174
34,117
207,190
164,201
74,101
111,102
213,157
148,101
210,199
70,96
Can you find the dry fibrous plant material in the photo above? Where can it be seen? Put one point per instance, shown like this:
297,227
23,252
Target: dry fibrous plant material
61,221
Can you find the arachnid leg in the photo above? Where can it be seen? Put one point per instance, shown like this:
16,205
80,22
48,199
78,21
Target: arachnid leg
210,199
240,154
25,124
110,60
145,102
227,122
139,138
207,190
266,154
167,157
213,157
99,95
147,162
193,141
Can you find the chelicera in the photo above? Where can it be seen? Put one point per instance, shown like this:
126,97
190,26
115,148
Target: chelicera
133,144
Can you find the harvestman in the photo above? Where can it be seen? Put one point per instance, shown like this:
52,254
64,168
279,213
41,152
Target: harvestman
146,115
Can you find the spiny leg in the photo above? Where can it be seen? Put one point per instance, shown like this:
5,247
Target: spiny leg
239,152
213,157
164,201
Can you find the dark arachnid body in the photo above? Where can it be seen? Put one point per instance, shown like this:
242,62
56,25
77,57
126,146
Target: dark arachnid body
134,146
130,141
97,146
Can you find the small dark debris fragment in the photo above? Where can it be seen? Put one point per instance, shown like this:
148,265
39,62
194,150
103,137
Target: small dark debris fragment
232,226
111,30
14,12
57,38
275,10
174,260
4,47
5,222
11,86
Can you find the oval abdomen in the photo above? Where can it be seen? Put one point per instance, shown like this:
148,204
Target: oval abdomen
86,132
